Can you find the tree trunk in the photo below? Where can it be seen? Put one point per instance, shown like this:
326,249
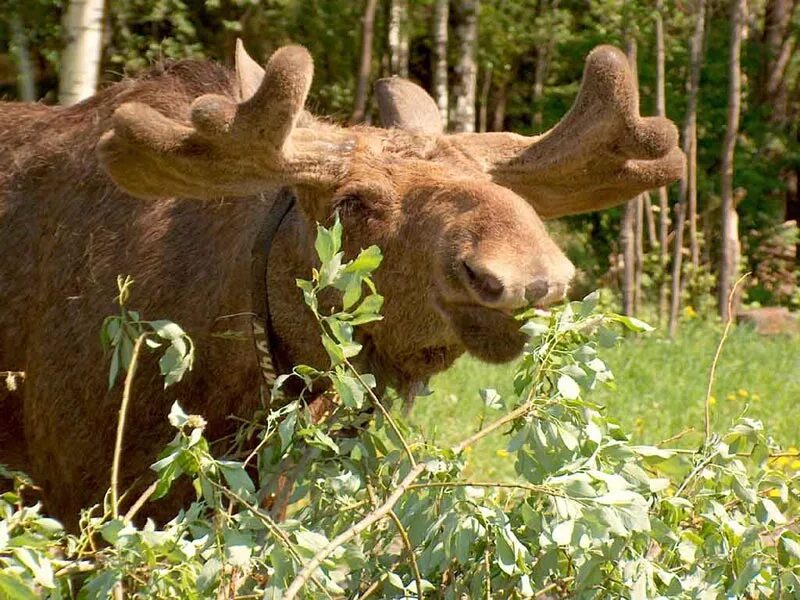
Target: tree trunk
631,229
483,114
638,230
80,61
499,112
466,70
663,197
26,82
688,187
441,15
730,254
779,44
398,38
365,63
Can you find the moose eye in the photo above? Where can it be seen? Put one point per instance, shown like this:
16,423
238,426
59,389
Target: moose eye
349,202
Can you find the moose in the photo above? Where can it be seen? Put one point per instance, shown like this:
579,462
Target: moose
169,177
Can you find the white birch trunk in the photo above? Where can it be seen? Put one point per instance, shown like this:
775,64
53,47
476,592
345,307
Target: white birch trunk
731,251
466,69
688,187
441,16
80,61
398,38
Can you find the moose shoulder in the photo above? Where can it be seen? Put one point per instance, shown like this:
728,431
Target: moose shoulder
169,178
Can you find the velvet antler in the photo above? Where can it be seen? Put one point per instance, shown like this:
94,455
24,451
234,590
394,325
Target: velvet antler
602,153
227,147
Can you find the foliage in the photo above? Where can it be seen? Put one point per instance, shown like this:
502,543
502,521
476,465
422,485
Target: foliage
589,513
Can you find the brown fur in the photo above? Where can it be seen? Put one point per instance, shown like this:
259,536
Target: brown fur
461,254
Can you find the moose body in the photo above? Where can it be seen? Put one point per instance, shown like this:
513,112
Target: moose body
169,178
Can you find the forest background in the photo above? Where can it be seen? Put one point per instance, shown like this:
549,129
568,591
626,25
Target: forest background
728,72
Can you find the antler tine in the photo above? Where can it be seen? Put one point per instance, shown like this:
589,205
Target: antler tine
600,154
235,147
269,116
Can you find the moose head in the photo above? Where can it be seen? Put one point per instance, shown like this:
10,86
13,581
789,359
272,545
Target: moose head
459,217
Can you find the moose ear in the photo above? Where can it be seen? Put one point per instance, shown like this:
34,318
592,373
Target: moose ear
405,105
249,74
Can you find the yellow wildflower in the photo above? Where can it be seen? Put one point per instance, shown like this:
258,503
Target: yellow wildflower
755,397
743,393
502,453
795,465
730,397
774,492
712,400
689,312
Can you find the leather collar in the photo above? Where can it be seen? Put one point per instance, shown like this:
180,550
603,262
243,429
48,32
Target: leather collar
264,336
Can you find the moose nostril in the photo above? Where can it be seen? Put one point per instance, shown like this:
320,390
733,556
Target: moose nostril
536,290
487,285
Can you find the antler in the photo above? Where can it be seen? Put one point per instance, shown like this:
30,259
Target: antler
227,148
600,154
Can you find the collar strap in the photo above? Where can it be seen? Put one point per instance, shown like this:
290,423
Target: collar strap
264,336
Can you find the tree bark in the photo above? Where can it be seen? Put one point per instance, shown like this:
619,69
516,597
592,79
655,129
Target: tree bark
483,114
500,101
779,44
80,61
26,81
466,69
631,227
730,252
441,15
663,197
398,38
365,62
688,186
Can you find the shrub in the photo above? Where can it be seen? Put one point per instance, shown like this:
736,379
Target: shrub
378,509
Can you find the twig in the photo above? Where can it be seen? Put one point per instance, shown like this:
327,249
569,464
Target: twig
712,373
383,510
123,409
271,525
677,436
349,534
385,412
372,587
536,489
151,489
515,414
409,550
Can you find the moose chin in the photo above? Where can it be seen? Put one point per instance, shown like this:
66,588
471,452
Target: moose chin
174,177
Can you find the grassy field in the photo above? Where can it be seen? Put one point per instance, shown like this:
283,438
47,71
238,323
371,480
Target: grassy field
660,389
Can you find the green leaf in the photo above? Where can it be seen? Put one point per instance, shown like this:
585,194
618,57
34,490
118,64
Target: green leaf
366,262
177,417
633,323
568,387
328,241
335,353
746,575
236,476
13,588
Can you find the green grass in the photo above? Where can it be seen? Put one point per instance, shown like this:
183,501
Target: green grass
660,391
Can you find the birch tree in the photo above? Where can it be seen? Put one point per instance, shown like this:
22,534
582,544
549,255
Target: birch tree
80,61
688,186
466,69
731,251
631,227
441,16
663,197
398,37
365,61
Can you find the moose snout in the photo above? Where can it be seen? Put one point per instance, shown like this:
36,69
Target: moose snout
510,287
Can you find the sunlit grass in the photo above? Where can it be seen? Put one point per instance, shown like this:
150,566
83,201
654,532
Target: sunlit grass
660,390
